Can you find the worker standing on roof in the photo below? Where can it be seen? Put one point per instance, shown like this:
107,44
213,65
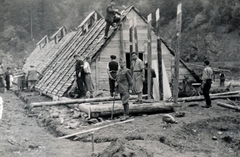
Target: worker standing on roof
124,87
80,75
88,79
111,17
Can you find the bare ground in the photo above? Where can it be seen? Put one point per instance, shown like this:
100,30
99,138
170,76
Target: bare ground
213,132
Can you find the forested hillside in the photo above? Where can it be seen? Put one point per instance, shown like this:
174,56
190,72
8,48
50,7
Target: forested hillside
210,28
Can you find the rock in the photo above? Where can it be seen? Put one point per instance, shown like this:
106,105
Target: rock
214,138
73,125
55,115
76,115
180,114
93,121
168,118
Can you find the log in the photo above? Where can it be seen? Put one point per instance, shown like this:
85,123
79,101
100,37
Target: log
100,110
228,106
226,93
95,129
75,101
199,98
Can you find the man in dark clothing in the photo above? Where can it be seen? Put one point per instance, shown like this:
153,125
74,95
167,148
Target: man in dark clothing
111,17
112,69
124,86
222,79
7,78
80,76
145,83
206,83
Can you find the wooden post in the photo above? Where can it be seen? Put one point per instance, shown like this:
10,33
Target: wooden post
135,34
149,59
92,141
159,55
177,54
131,41
121,42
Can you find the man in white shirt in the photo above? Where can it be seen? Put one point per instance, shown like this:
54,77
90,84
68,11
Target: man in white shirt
88,78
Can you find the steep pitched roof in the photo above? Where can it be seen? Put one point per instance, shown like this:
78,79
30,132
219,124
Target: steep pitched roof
41,57
58,72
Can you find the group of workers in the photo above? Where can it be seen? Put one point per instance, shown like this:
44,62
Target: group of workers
5,77
122,81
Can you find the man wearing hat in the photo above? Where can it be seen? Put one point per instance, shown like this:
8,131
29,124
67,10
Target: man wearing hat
206,83
80,75
124,86
137,68
111,17
112,69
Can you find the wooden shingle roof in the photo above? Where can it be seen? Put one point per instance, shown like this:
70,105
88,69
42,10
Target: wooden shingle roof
59,74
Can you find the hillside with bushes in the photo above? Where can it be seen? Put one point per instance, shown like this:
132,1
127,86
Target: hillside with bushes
210,28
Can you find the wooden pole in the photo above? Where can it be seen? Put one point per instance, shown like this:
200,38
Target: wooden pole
149,59
121,42
135,35
131,41
95,129
177,54
92,141
159,50
228,106
75,101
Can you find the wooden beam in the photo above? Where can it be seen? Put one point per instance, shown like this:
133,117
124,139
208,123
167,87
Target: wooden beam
159,55
177,54
149,59
121,42
131,40
199,98
95,129
228,106
135,34
75,101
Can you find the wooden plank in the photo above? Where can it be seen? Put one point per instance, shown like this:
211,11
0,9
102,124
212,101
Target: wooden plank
95,129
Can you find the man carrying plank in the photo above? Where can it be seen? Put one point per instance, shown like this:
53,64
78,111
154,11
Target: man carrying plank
124,86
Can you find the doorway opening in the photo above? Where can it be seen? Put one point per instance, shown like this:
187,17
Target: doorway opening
128,59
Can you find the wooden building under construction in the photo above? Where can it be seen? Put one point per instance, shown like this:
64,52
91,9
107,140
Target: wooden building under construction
53,56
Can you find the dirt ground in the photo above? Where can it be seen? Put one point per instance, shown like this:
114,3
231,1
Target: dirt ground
202,132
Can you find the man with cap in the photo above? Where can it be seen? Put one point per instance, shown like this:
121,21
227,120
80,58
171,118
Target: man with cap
112,69
137,68
111,17
206,83
124,86
145,83
80,75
